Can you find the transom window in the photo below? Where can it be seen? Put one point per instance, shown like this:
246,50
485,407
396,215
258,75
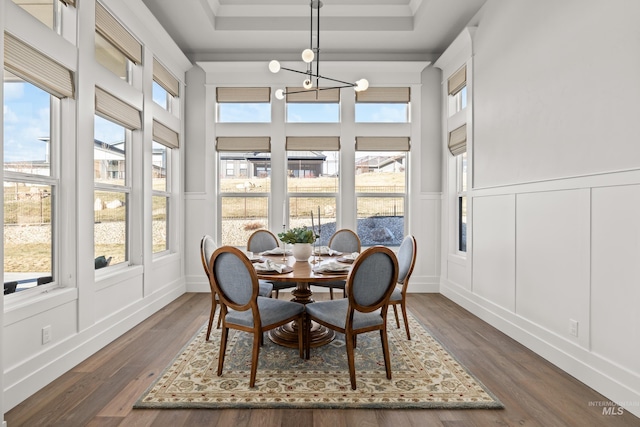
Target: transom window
383,105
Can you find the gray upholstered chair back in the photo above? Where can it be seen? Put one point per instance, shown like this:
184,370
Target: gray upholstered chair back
207,247
233,279
345,241
374,278
405,257
262,240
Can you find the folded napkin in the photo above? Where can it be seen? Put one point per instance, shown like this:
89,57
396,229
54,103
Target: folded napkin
352,255
275,251
269,265
326,250
331,266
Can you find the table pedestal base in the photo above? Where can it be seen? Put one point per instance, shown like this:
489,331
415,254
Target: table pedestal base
287,335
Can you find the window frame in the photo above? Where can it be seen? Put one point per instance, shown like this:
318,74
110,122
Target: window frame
167,194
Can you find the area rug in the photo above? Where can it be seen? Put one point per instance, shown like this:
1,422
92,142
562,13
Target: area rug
424,375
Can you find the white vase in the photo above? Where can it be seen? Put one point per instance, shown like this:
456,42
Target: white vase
302,251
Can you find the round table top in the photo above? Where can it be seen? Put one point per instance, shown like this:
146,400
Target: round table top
302,271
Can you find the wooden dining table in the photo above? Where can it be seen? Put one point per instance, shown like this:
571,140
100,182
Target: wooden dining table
301,273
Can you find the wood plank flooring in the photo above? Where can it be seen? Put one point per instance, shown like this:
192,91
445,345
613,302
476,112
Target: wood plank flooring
101,390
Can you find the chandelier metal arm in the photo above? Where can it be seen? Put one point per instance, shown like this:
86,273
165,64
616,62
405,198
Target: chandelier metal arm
347,84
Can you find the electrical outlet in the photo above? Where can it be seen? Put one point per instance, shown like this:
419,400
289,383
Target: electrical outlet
573,327
46,334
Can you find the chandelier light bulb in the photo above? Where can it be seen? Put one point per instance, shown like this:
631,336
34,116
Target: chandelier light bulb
274,66
279,93
307,55
361,85
307,84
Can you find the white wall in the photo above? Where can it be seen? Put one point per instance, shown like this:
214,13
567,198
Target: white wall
555,196
90,309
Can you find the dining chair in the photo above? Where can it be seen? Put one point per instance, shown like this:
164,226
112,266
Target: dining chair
406,262
264,240
369,285
207,247
345,241
236,283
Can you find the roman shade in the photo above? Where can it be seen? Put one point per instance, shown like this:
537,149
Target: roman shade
165,135
327,96
117,110
261,144
458,140
383,143
382,95
457,81
109,28
243,94
319,143
33,66
164,78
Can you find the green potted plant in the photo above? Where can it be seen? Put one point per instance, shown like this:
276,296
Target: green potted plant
301,238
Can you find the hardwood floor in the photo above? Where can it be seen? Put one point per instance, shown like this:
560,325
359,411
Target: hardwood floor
101,390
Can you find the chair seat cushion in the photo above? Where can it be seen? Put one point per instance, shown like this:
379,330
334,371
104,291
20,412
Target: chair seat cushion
265,288
396,295
271,311
334,284
334,313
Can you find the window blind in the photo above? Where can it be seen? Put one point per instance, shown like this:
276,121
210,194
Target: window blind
117,110
458,140
165,135
109,28
327,96
382,95
164,78
261,144
457,81
38,69
320,143
383,143
243,94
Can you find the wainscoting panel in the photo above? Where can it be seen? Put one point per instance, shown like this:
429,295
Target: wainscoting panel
494,244
615,281
552,261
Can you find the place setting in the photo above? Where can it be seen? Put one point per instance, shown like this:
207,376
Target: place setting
332,267
270,267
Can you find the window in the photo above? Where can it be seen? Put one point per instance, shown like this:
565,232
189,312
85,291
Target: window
32,114
165,140
165,88
243,104
313,183
461,178
457,90
115,48
311,106
30,185
111,190
380,178
161,156
243,199
45,11
383,105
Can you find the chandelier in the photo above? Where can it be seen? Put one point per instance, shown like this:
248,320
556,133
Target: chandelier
311,57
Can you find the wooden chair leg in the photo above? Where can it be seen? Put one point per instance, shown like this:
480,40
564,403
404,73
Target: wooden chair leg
350,359
302,330
277,293
395,311
211,315
406,320
331,292
307,338
385,352
254,357
223,349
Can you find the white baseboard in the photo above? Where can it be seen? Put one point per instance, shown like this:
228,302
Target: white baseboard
606,378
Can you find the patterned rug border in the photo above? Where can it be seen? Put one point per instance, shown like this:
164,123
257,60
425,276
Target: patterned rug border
363,404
